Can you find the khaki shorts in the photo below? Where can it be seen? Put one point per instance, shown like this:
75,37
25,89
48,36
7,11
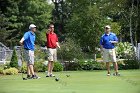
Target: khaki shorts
29,57
109,55
52,54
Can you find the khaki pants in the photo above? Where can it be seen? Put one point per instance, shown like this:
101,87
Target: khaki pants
109,55
29,57
52,54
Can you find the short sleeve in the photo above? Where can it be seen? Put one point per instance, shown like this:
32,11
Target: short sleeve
46,34
101,41
115,38
56,38
26,36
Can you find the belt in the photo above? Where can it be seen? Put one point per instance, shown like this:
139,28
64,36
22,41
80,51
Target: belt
26,49
52,47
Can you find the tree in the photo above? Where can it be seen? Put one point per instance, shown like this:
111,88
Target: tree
86,24
19,14
126,14
3,24
14,60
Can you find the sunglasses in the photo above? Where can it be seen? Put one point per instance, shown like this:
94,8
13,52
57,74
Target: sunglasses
107,28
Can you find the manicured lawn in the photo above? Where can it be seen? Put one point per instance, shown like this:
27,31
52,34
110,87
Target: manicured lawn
78,82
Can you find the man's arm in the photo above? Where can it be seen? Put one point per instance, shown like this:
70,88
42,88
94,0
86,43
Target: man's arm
25,37
57,44
101,44
48,31
115,40
21,41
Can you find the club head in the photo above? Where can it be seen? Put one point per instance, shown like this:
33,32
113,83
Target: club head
68,75
24,78
56,79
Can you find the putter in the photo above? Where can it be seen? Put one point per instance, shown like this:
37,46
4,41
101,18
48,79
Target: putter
21,55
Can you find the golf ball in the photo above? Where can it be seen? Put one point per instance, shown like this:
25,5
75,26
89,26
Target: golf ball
56,79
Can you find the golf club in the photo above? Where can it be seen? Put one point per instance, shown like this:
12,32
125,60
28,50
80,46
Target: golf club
21,57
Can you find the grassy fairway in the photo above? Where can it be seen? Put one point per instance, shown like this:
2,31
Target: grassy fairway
78,82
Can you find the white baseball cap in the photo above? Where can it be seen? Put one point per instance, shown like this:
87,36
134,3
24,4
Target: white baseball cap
32,26
107,26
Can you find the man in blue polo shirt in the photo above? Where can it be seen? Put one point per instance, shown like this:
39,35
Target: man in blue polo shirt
28,41
107,43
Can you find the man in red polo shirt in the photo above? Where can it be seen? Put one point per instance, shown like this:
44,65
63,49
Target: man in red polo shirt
52,44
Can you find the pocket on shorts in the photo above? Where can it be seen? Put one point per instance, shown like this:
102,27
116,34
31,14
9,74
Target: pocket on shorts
31,53
31,57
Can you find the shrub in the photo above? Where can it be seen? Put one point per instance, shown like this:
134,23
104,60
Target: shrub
1,70
7,65
40,56
85,65
70,50
98,55
23,68
93,65
72,66
124,50
10,71
131,64
99,65
14,60
58,67
40,67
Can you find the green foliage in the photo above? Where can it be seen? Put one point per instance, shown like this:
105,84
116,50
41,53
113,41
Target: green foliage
10,71
116,28
81,20
40,55
88,18
23,68
58,67
99,65
92,65
40,67
88,65
69,50
14,60
7,65
17,15
73,66
1,70
86,22
39,60
3,23
98,55
129,64
84,65
125,50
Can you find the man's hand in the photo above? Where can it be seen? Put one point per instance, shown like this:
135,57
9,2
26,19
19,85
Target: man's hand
48,31
57,44
21,43
113,42
102,50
